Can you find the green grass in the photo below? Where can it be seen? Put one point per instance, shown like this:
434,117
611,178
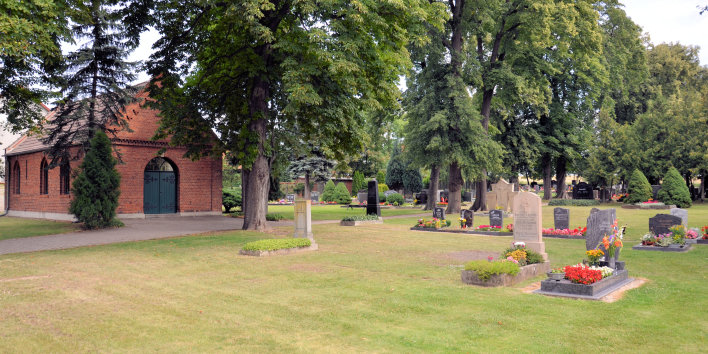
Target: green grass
378,288
336,212
274,244
19,227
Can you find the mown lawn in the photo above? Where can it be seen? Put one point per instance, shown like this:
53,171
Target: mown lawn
336,212
19,227
375,288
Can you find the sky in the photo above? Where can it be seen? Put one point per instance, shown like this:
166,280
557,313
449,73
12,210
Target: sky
664,20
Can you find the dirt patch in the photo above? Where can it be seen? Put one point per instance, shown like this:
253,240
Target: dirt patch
616,295
306,268
472,255
24,278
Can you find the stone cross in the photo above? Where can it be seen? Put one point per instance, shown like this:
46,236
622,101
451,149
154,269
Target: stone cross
561,218
599,225
683,214
527,222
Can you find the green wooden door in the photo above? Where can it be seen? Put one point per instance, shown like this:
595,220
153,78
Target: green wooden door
159,195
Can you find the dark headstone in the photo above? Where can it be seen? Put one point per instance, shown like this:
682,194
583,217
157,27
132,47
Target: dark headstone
315,197
561,218
372,200
661,223
445,195
655,190
439,213
421,198
466,197
496,218
582,191
599,225
290,198
468,215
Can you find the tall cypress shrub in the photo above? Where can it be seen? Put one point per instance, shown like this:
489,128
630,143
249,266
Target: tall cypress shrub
638,188
341,194
358,182
328,192
96,187
674,190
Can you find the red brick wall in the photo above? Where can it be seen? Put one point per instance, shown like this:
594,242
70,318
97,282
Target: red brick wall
199,182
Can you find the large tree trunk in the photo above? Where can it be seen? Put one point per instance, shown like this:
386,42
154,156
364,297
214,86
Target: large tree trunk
256,197
703,186
454,187
433,187
560,176
547,176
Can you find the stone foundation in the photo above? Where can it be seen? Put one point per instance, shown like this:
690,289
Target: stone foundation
525,273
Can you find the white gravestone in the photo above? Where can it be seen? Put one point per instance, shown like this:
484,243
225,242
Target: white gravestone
527,222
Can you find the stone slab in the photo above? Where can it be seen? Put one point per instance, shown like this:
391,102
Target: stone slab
701,242
599,224
360,222
682,213
372,199
569,237
284,251
649,207
594,291
496,218
461,231
641,247
561,218
661,223
525,273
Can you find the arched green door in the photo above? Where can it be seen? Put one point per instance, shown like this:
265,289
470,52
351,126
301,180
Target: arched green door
160,187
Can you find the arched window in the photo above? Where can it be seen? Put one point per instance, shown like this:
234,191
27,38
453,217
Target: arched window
64,179
16,178
44,177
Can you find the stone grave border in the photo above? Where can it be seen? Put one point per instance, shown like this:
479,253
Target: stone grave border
360,222
648,207
594,291
701,241
641,247
284,251
567,237
525,273
460,231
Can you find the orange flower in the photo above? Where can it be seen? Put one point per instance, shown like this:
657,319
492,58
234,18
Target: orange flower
618,243
606,242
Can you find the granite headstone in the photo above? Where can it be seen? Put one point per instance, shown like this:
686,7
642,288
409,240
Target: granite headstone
468,215
655,190
683,214
496,218
372,201
315,197
599,225
661,223
561,218
582,191
439,213
290,198
362,197
527,222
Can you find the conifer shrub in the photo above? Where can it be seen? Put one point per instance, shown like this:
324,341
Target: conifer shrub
674,190
341,194
328,192
638,188
358,182
96,187
230,199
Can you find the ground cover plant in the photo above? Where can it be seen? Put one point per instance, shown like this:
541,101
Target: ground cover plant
366,217
276,244
336,212
389,289
11,227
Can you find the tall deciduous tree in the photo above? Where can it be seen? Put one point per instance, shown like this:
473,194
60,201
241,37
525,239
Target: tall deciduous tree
96,85
233,66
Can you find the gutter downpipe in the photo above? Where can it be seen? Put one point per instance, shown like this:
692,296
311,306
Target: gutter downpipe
6,189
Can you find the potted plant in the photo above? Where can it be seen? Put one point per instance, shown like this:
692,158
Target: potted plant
556,274
594,256
648,239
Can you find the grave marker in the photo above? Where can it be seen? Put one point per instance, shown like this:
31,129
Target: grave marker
527,222
468,215
372,201
439,213
561,218
496,218
491,201
661,223
683,214
582,191
655,190
303,219
362,196
290,198
599,225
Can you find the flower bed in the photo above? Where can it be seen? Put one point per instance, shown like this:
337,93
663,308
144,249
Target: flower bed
673,241
593,291
435,223
576,233
515,265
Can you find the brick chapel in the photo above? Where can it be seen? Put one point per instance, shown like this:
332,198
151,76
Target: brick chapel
151,184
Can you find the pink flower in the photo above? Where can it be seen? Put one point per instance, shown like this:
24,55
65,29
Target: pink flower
490,258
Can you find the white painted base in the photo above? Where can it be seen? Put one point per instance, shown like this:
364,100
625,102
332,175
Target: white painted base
41,215
70,217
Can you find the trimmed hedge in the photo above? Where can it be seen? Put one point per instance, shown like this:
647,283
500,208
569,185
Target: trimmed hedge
277,244
485,269
395,199
274,217
674,190
573,202
638,188
360,217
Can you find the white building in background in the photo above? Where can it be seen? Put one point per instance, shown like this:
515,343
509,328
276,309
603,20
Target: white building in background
7,137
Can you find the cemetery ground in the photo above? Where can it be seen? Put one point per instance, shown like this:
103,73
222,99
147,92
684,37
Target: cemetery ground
369,288
20,227
336,212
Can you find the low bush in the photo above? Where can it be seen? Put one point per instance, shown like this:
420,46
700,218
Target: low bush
360,217
395,199
485,269
274,217
276,244
573,202
341,194
230,199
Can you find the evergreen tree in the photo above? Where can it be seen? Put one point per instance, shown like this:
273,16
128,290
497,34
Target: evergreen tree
96,187
96,87
412,181
328,192
381,177
341,194
395,170
315,166
358,182
674,190
639,189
